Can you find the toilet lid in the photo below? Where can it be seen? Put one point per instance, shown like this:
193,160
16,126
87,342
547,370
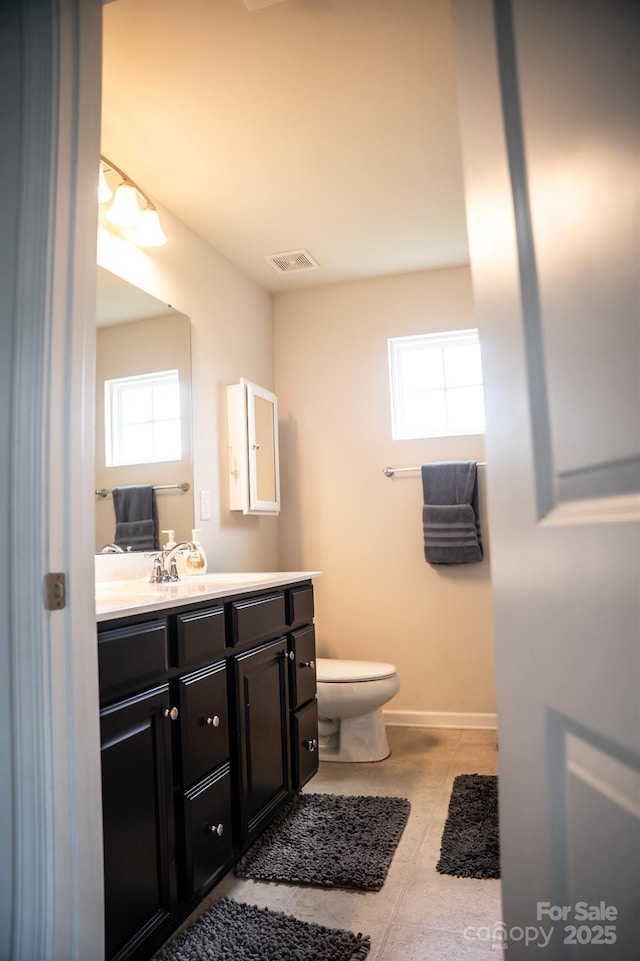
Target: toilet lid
333,670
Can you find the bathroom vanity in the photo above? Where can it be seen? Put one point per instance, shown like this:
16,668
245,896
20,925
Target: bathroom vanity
208,726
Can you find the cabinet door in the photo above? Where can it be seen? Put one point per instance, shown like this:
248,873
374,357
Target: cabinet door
263,725
254,472
262,435
137,800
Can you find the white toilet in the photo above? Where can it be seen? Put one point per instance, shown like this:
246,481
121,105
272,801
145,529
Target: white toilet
350,699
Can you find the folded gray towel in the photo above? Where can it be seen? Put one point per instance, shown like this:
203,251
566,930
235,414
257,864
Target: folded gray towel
136,504
450,521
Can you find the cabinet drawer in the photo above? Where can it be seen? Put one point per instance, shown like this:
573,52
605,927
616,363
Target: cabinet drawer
201,636
302,666
207,823
299,606
131,657
204,724
305,744
257,619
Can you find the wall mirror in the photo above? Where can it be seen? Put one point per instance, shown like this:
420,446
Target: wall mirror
138,336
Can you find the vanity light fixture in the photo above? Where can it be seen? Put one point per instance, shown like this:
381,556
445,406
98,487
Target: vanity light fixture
125,209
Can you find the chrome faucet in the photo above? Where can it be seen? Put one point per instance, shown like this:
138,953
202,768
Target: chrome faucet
165,568
111,549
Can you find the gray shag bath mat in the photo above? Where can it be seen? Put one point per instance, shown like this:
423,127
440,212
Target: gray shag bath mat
233,931
470,840
329,840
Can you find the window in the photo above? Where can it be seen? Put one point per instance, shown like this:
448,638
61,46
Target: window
142,419
436,385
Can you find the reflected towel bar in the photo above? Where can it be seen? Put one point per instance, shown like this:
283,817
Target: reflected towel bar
103,492
390,471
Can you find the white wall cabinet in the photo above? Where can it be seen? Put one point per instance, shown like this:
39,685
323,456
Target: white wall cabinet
254,469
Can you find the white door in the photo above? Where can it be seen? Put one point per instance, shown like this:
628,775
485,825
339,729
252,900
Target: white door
51,890
549,109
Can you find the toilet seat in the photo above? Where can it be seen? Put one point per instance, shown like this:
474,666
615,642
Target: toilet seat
338,671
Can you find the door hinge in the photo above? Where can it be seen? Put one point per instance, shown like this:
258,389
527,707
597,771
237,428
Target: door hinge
55,591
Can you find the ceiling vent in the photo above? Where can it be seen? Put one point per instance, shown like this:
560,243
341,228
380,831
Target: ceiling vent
292,261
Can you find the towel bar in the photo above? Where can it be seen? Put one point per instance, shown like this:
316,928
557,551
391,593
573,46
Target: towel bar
390,471
103,492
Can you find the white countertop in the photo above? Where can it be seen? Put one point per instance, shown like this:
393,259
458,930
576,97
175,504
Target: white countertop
122,598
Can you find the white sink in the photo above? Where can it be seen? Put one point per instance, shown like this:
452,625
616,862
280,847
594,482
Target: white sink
144,592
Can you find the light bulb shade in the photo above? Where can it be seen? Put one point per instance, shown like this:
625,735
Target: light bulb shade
125,209
104,190
149,233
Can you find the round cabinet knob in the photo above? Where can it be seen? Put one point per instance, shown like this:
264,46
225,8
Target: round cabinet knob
292,655
216,829
213,721
171,713
310,664
311,744
256,446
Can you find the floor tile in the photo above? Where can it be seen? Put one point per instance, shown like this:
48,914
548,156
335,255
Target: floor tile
419,915
411,942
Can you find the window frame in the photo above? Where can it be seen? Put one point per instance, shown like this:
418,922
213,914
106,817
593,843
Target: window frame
114,391
398,347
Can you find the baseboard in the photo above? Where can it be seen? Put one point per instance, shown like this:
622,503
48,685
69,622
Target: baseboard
444,719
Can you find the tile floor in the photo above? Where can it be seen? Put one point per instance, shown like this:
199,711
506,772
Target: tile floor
419,915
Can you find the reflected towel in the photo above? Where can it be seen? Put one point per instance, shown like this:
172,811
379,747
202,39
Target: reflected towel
136,521
450,520
136,535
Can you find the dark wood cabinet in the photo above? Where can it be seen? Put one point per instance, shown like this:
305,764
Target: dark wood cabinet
304,740
131,657
138,823
302,655
201,636
263,735
208,837
257,619
299,605
304,707
208,724
204,721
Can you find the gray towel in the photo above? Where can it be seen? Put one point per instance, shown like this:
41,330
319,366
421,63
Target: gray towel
136,535
136,521
450,521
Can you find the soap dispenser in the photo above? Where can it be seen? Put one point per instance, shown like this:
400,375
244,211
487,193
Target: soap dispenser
195,561
171,540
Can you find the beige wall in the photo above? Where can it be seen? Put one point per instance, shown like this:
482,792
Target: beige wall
378,599
231,337
127,350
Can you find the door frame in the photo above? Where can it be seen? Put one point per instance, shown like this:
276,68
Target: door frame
50,794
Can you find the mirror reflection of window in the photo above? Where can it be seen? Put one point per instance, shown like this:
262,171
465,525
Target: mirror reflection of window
142,419
141,337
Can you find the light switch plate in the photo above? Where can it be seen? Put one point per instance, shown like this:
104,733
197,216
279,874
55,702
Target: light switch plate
205,505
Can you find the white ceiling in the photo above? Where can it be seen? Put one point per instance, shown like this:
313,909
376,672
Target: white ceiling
324,124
